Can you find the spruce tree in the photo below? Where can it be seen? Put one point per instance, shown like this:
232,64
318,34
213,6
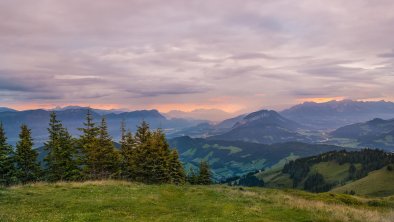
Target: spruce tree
61,159
158,158
141,157
192,176
127,149
176,171
28,169
52,146
88,146
108,158
7,165
204,176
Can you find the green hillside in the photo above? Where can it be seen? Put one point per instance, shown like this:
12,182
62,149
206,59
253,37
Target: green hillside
123,201
332,171
364,172
236,158
377,183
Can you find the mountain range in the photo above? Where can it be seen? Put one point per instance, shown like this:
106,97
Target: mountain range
200,114
334,114
307,122
374,133
73,119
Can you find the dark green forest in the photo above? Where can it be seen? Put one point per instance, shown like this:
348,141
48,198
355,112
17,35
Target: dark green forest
142,157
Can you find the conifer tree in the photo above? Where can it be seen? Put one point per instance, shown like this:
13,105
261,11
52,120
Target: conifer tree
140,164
143,134
158,158
127,148
88,146
192,176
27,167
108,158
7,165
61,156
204,176
176,171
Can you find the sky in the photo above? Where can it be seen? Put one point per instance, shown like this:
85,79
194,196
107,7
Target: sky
234,55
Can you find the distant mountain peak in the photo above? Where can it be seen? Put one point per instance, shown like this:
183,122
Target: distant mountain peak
6,109
262,114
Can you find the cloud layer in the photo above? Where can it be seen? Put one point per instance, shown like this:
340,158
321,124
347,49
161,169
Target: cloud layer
228,54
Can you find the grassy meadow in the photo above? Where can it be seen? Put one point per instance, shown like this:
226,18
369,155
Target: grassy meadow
124,201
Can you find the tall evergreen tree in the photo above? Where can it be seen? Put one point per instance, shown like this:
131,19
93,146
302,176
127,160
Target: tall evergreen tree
205,175
28,169
141,157
88,146
108,158
158,158
61,159
127,149
7,165
176,171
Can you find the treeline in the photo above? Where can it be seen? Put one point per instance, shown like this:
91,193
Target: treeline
369,159
248,180
144,157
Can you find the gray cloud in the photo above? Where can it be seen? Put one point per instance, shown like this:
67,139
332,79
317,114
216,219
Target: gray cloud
211,53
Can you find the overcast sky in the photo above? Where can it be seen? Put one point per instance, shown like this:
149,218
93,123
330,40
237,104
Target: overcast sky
228,54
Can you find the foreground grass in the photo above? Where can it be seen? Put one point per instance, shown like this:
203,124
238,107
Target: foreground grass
122,201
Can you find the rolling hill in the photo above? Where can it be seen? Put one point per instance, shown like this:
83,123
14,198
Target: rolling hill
377,183
365,172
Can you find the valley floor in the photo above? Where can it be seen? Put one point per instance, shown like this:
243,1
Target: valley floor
123,201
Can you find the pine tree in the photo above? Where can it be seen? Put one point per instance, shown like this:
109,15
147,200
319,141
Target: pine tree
141,157
27,167
68,162
204,176
158,156
143,134
176,171
127,149
61,159
192,176
88,146
108,158
7,165
52,146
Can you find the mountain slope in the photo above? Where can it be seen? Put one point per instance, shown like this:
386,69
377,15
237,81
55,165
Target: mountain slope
200,114
207,129
377,133
338,171
377,183
264,126
230,158
334,114
6,109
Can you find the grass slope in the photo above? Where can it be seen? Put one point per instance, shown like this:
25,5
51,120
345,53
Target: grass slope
123,201
377,183
332,171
